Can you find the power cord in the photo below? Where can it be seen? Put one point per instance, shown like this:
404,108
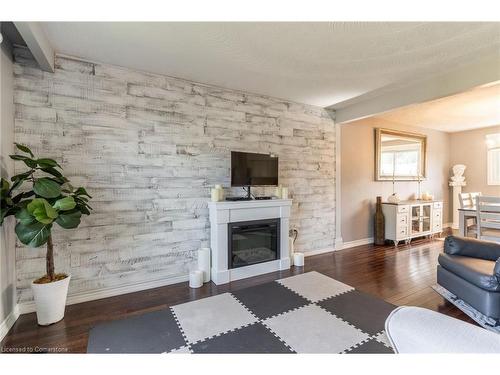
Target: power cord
246,191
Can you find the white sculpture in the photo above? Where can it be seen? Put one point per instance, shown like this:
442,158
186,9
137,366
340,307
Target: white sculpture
458,173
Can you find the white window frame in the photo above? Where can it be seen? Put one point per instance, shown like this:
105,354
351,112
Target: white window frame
493,158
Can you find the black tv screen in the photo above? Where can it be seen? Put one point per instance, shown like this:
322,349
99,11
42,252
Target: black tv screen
253,169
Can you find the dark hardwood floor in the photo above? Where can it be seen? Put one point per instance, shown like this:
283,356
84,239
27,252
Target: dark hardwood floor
402,276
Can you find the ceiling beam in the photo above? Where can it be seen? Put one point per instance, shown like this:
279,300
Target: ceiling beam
482,72
38,44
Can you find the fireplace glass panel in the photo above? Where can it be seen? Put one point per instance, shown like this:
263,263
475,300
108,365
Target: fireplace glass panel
253,242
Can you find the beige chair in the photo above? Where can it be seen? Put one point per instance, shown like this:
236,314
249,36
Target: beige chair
468,200
488,218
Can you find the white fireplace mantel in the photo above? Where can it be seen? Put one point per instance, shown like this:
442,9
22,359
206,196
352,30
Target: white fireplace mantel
223,213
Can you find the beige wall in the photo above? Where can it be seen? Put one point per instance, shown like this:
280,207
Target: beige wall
7,240
469,148
358,186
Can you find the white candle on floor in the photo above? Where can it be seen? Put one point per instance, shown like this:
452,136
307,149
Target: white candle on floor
204,263
298,259
195,279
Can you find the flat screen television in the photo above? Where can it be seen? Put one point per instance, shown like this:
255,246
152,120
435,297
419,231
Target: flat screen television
249,169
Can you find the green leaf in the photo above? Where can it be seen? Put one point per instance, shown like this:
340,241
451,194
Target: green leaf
82,191
16,184
25,149
24,216
29,162
65,204
6,204
4,186
33,235
18,157
61,180
69,220
19,179
4,191
20,196
82,204
67,187
4,212
7,211
22,175
54,172
84,210
47,188
24,204
42,210
46,163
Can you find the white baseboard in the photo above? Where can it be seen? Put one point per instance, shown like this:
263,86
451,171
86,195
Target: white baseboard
370,240
319,251
339,243
8,322
361,242
29,306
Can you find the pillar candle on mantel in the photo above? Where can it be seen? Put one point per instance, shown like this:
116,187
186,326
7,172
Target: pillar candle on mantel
221,192
284,193
277,191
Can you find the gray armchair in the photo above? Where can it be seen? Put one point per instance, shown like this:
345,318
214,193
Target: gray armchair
470,269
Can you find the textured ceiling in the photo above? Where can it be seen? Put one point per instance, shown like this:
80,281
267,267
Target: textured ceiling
473,109
315,63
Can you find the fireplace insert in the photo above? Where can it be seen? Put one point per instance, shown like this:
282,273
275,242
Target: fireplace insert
252,242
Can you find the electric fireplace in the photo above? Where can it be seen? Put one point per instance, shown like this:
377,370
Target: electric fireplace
253,242
248,238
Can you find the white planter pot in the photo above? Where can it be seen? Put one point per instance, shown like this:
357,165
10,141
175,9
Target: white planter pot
50,300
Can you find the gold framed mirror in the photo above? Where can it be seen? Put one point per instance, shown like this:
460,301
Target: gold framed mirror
399,156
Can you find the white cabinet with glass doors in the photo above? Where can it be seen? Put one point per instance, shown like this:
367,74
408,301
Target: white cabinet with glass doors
406,220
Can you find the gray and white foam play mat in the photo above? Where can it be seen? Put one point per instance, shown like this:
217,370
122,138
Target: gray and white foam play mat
307,313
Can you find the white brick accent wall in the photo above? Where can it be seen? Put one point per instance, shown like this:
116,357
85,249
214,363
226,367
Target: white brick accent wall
149,148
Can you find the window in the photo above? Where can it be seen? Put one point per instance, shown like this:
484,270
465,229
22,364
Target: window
399,163
493,143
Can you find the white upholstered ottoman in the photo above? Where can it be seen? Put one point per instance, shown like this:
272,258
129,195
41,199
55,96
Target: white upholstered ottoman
418,330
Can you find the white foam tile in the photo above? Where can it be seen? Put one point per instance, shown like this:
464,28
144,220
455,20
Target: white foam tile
211,316
311,329
315,286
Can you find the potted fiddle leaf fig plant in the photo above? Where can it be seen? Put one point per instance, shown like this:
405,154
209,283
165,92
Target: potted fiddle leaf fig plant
39,198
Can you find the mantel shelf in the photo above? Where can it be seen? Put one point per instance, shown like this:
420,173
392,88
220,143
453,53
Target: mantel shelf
226,205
